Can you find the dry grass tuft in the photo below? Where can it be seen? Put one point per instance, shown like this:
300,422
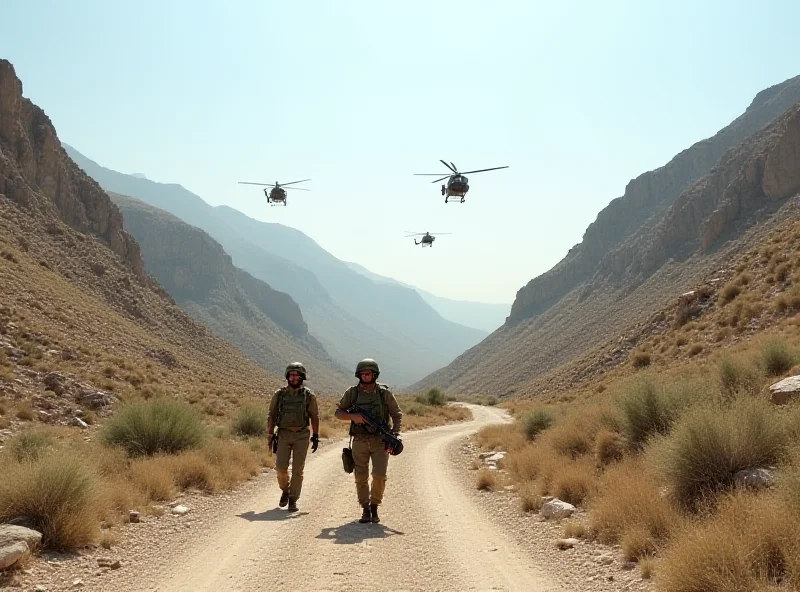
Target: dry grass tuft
500,437
574,529
486,480
629,500
750,543
710,445
60,493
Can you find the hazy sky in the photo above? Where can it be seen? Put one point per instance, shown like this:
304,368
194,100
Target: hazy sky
577,97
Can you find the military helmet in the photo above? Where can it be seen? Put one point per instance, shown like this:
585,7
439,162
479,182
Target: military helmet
367,364
296,367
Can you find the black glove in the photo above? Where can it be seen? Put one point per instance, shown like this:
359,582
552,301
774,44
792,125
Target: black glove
314,443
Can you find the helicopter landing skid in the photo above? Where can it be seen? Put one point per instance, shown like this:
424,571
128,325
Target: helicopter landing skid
446,200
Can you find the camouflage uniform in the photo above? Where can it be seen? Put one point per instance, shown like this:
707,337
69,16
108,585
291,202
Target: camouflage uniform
290,410
367,446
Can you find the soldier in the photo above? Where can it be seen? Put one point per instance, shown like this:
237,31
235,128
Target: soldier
377,398
291,409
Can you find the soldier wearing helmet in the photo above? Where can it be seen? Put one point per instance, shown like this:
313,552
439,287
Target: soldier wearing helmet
376,397
291,409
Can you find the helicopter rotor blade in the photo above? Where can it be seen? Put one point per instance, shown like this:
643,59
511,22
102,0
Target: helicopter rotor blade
295,188
293,182
482,170
440,179
454,165
251,183
452,168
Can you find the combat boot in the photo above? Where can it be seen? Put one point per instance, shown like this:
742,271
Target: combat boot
292,505
374,509
366,516
284,499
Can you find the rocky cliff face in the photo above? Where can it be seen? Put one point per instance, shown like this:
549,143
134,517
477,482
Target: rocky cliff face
192,266
265,324
595,297
760,172
37,174
646,197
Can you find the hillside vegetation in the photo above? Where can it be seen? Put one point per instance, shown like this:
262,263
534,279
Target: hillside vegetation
673,227
678,454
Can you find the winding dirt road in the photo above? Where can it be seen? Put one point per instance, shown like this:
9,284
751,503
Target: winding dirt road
431,536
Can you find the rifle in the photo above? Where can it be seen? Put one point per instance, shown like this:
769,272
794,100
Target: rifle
394,445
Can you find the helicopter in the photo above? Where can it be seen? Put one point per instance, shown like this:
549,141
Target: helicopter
277,193
427,238
457,184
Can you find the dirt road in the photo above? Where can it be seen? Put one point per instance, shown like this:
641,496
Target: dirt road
431,536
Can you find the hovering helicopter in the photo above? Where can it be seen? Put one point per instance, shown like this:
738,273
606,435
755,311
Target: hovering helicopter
457,184
427,238
277,193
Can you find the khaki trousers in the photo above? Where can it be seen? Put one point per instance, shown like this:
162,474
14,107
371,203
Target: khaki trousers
296,445
366,448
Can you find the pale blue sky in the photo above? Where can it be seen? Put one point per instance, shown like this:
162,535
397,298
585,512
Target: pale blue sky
577,97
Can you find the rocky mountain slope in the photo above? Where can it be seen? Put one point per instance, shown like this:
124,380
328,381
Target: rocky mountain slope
669,230
263,323
75,296
484,316
352,316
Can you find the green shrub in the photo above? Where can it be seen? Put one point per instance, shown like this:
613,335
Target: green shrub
738,375
711,444
435,397
535,422
778,357
250,421
415,409
59,494
491,401
28,446
155,426
641,360
649,408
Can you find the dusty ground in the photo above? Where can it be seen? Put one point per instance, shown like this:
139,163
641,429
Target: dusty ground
586,567
437,533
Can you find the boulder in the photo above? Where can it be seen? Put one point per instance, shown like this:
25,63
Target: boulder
754,478
782,391
555,508
16,544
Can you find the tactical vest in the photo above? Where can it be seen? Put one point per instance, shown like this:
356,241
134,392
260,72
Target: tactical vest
292,408
374,402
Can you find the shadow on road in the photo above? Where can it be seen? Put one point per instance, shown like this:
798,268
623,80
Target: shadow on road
355,532
273,515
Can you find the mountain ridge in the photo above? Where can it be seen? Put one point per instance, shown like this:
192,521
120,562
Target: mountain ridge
645,247
352,316
74,287
263,323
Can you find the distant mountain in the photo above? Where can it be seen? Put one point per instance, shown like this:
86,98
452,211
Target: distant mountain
673,227
483,316
264,324
352,316
74,288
